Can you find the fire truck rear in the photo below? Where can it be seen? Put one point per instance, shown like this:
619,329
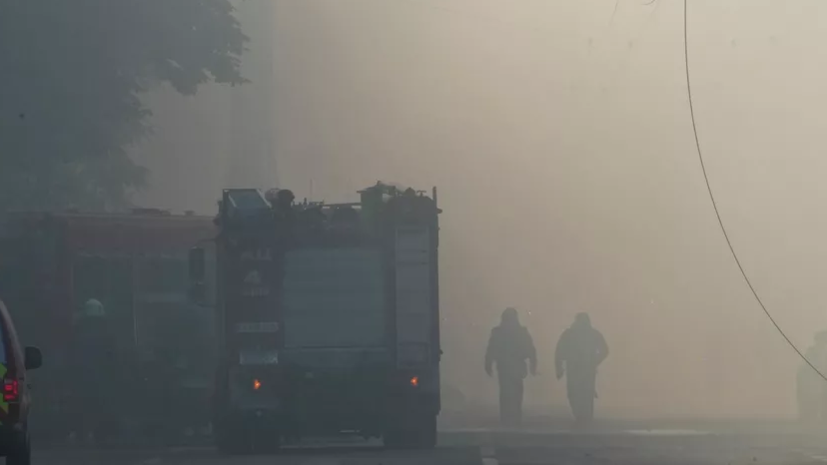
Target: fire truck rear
328,318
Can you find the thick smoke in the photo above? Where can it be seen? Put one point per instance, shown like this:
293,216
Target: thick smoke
559,135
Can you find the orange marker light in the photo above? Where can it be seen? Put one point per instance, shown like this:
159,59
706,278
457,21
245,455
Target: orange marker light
415,381
256,384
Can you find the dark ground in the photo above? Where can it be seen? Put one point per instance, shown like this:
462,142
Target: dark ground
550,441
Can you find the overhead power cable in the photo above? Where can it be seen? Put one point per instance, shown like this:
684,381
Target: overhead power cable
715,203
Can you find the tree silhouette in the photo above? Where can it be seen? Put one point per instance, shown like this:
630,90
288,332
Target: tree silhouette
71,77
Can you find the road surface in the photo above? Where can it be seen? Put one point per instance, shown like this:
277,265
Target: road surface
638,446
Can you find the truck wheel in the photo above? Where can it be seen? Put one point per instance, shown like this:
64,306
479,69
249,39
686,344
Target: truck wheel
265,442
21,452
230,444
247,441
419,434
230,440
426,434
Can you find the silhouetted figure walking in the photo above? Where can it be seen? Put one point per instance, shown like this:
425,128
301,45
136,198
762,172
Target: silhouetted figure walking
811,389
580,350
509,347
93,360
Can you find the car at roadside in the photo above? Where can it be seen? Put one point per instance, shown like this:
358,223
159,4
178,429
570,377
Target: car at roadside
15,403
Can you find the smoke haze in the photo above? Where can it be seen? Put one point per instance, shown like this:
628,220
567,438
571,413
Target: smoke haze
560,139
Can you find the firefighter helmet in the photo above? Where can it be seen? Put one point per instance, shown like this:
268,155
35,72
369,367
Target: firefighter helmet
92,309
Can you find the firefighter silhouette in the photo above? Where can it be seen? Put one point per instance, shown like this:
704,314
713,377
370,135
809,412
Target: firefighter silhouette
811,389
509,346
580,350
93,360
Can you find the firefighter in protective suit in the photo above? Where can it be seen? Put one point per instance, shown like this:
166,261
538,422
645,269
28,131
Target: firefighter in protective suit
93,360
580,350
811,389
509,346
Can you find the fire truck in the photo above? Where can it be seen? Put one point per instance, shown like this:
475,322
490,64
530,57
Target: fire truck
135,264
328,318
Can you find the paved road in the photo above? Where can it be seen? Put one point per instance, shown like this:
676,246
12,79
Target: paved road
649,446
326,456
496,447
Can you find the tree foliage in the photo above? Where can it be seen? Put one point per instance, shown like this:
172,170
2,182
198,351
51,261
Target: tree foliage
71,77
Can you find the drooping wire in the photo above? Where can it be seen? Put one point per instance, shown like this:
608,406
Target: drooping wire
715,203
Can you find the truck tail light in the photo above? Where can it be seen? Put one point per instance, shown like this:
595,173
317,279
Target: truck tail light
414,381
256,384
11,390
